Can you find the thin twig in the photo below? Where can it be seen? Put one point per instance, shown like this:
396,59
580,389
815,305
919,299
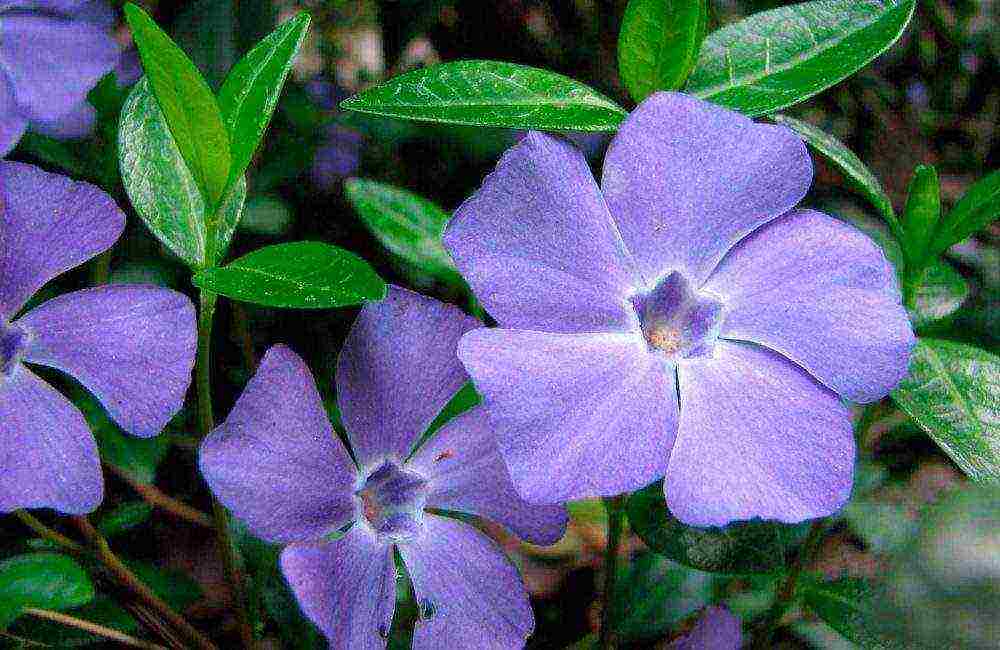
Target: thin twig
616,516
49,534
150,494
93,628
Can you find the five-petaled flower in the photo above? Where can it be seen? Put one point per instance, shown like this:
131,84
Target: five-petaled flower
278,465
683,320
132,346
715,629
52,53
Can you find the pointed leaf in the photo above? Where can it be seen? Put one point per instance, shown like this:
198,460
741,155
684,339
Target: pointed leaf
941,292
658,44
978,208
920,218
406,224
953,393
847,605
42,580
187,103
250,93
223,223
490,93
781,57
302,275
744,548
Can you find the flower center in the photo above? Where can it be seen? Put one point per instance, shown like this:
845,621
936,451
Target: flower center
392,501
678,321
12,343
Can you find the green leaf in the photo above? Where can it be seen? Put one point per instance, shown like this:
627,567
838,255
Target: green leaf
941,292
250,93
408,225
920,218
124,517
654,594
658,44
953,393
777,58
187,103
42,580
138,457
177,588
102,610
490,93
744,548
977,208
303,275
223,223
847,606
856,172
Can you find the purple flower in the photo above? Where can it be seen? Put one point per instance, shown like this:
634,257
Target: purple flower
132,346
337,157
277,464
52,52
717,629
682,320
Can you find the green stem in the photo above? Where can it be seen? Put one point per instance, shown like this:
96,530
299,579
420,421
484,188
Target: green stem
616,519
206,422
785,595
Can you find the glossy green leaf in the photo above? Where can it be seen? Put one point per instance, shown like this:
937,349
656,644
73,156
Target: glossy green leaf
224,221
977,208
408,225
187,102
856,172
124,517
43,580
941,292
658,44
920,218
303,275
490,93
743,548
250,93
953,393
847,606
778,58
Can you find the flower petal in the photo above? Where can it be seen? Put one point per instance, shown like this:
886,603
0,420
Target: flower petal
717,629
758,437
48,457
685,180
537,245
78,123
468,475
275,461
132,346
49,225
53,62
397,370
12,123
576,415
821,293
347,588
469,594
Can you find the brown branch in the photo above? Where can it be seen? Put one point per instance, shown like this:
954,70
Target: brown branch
93,628
153,496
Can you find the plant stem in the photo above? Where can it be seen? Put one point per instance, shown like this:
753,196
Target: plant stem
93,628
786,591
206,420
124,575
151,495
47,533
616,518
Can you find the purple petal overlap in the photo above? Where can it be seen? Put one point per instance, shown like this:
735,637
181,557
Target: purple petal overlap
538,246
758,437
467,474
77,123
347,588
397,370
132,346
470,596
685,180
12,123
576,415
821,293
276,462
50,224
717,629
48,457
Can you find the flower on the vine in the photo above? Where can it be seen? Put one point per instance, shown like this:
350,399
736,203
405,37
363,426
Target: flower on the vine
52,53
132,346
716,629
681,320
278,465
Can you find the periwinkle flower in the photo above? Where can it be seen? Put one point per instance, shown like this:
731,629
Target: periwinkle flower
716,629
132,346
683,320
52,53
278,465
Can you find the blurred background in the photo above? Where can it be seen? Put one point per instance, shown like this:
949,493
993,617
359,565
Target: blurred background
915,525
